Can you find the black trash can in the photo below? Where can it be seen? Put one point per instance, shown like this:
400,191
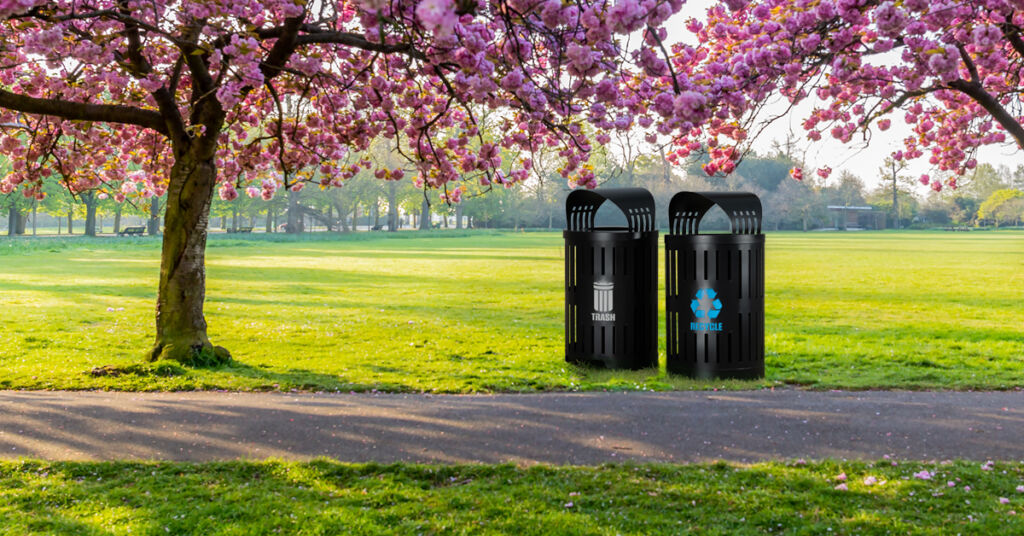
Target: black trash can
611,289
714,288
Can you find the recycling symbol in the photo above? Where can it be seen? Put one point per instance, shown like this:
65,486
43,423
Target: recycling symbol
706,304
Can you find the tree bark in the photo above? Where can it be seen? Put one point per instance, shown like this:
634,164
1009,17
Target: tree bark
71,228
425,216
117,219
180,323
12,220
153,225
270,220
392,206
458,216
90,213
895,204
294,213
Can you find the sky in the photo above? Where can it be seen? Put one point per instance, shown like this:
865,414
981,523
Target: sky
863,161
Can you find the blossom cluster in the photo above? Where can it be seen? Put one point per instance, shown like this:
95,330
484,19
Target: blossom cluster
944,67
467,90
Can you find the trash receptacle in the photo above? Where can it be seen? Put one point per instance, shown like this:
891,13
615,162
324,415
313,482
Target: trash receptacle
611,289
714,288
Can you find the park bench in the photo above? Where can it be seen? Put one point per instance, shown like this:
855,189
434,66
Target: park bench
377,228
132,231
962,228
240,230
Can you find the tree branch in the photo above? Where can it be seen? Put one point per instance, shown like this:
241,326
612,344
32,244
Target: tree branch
993,107
358,41
80,111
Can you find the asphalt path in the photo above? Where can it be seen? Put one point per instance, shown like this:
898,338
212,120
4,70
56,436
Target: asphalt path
550,428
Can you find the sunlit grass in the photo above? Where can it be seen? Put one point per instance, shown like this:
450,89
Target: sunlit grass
483,312
324,497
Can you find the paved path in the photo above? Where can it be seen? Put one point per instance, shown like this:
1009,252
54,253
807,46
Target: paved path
555,428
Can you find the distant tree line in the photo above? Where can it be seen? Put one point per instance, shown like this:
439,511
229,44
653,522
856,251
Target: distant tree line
991,196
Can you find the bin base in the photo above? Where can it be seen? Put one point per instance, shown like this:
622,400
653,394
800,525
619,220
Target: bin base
613,362
706,373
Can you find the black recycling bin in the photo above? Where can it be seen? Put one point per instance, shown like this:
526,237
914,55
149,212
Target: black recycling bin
611,289
714,288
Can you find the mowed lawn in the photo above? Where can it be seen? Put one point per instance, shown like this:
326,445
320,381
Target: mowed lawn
478,311
324,497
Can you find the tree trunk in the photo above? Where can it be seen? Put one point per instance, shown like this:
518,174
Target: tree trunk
458,216
425,215
294,213
90,214
35,207
234,217
12,220
71,228
330,218
355,217
392,206
895,205
117,219
270,220
153,225
180,324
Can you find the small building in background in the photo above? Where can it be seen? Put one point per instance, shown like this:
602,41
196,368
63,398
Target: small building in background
845,218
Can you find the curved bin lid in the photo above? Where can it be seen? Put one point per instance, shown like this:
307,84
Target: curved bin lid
636,203
687,209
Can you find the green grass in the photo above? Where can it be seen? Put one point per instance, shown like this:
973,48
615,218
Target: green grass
471,311
323,497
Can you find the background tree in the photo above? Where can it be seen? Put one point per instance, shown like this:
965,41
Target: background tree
1003,207
892,171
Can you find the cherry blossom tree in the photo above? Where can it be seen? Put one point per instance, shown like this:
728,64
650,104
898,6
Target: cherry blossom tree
194,98
950,69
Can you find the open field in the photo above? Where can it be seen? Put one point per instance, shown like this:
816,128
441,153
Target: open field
324,497
468,312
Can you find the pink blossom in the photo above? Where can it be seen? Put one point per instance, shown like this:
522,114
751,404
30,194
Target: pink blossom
842,487
923,475
1004,500
841,477
437,16
228,192
870,481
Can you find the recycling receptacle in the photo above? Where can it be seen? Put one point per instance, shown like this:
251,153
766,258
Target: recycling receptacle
611,273
714,288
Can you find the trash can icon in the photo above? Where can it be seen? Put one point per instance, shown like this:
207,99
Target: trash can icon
611,274
714,288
